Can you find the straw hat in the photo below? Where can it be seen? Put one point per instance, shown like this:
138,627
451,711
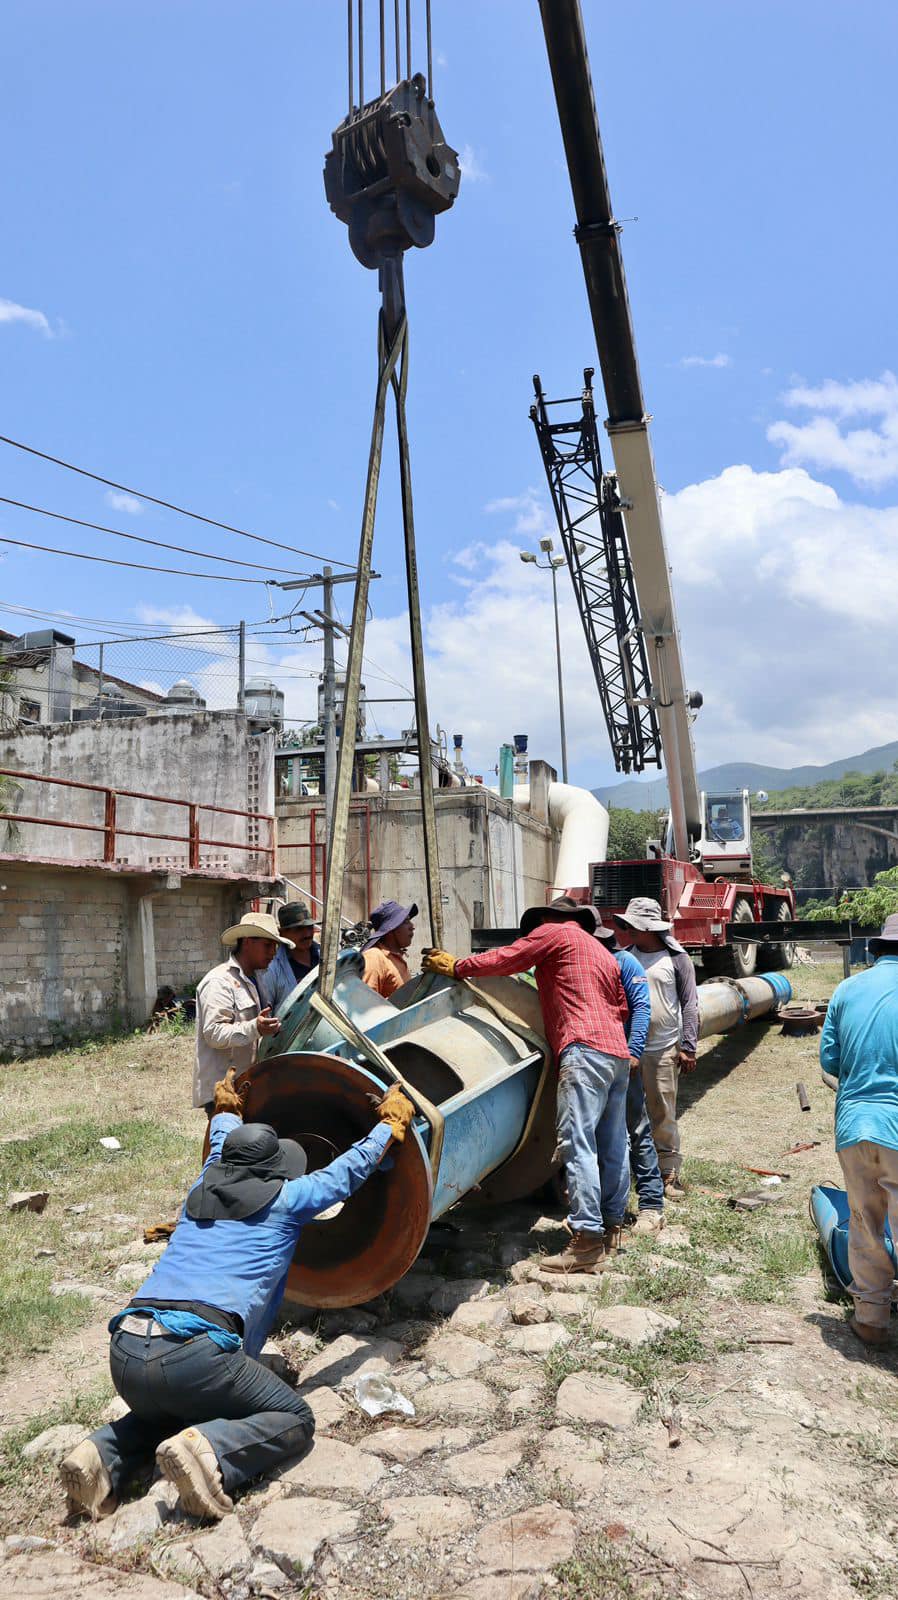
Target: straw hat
255,925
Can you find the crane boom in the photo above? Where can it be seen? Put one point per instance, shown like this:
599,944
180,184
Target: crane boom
598,236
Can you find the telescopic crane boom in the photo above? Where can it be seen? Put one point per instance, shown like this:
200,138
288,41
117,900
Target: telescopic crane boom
597,234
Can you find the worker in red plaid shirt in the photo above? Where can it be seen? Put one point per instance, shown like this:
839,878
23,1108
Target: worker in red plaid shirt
583,1005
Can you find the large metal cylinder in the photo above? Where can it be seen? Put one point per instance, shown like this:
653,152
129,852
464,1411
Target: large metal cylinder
728,1002
486,1075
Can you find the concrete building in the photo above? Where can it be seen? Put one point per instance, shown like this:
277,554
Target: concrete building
496,857
42,682
144,838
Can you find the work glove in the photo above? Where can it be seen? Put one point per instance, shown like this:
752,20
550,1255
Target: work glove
438,961
397,1111
227,1096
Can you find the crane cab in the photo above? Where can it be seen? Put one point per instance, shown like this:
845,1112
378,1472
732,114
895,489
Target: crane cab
725,843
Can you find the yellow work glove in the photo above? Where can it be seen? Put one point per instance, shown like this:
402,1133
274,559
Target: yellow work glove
438,961
227,1096
397,1111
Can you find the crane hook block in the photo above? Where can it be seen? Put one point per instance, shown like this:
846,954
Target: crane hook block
390,172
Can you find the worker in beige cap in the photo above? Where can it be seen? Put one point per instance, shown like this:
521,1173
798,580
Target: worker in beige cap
230,1017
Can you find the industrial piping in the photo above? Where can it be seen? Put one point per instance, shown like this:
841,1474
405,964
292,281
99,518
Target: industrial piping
728,1002
583,822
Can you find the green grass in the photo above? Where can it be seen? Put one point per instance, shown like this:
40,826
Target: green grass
778,1258
27,1487
603,1569
68,1160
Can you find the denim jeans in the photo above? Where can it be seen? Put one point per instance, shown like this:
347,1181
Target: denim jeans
592,1136
643,1155
252,1419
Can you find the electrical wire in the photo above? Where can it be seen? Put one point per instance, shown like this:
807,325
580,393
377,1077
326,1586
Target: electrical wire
168,505
139,566
139,538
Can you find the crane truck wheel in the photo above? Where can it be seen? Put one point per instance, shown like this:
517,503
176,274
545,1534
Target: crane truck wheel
732,960
778,957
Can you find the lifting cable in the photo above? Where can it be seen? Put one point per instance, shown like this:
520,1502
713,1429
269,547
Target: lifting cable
377,183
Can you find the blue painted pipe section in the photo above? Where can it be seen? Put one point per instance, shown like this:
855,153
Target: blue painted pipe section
780,985
482,1128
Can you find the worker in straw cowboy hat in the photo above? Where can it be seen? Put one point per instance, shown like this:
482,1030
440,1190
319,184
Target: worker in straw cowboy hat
673,1030
183,1351
583,1006
859,1046
231,1016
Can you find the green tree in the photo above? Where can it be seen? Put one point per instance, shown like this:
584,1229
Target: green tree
629,830
868,906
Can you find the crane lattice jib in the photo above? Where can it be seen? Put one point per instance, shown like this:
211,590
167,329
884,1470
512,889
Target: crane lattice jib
594,536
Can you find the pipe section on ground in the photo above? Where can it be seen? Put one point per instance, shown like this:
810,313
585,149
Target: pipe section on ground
728,1002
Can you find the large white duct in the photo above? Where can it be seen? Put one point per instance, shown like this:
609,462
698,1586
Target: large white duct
583,822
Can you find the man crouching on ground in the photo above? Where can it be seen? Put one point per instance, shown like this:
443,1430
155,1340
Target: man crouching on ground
182,1352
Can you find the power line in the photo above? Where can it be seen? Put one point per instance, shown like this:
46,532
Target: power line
140,538
139,566
169,505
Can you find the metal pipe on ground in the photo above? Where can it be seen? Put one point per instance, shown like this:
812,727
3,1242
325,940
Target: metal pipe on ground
478,1058
728,1002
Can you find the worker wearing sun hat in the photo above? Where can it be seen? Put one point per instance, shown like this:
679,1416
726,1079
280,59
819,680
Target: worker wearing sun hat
392,931
230,1015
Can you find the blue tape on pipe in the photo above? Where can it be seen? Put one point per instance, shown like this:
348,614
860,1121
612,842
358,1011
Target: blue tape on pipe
780,985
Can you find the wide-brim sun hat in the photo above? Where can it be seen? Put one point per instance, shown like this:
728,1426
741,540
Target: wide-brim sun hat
643,915
887,940
254,925
562,910
386,918
253,1168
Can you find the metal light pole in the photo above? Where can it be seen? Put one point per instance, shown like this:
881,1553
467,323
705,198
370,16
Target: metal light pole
552,565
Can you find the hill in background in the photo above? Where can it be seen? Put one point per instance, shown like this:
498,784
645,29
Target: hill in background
734,775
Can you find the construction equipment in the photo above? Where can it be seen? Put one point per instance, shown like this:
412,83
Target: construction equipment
613,537
388,175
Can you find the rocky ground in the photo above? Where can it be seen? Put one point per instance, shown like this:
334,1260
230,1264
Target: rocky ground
695,1422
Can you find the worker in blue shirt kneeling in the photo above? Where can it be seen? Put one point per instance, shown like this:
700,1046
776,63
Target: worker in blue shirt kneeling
182,1353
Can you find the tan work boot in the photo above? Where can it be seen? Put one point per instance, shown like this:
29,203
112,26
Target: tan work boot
673,1188
614,1239
649,1222
584,1253
188,1461
87,1485
869,1333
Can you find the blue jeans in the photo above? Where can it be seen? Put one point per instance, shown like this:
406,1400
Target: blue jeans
592,1136
252,1419
643,1155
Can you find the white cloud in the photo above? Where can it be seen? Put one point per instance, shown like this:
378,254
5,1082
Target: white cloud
868,454
472,168
720,360
124,502
529,512
11,312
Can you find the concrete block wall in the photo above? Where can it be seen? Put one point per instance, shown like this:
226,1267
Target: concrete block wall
73,955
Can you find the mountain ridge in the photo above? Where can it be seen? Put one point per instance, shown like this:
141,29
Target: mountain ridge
733,775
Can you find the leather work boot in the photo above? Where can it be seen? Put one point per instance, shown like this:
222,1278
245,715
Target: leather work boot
869,1333
87,1485
188,1461
585,1253
649,1222
614,1239
673,1188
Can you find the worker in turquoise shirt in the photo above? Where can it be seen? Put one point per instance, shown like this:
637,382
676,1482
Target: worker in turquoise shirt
182,1351
859,1046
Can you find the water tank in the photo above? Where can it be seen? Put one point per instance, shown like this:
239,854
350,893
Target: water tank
263,703
182,698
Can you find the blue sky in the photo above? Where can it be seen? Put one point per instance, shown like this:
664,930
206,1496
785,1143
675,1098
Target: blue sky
180,311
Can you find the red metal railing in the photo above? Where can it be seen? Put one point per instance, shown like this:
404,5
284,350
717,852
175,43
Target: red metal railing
112,830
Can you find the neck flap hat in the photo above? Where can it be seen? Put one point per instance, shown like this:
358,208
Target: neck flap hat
254,1166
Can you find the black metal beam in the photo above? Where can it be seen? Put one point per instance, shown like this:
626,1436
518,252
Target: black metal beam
797,930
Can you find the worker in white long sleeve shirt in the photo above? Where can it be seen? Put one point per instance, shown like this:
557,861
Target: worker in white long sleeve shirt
230,1015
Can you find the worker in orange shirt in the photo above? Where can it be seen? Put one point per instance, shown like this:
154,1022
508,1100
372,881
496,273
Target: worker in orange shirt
386,968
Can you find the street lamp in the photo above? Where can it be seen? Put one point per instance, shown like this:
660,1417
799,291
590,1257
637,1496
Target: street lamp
552,565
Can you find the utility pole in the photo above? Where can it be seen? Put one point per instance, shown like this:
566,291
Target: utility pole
551,565
325,619
330,700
